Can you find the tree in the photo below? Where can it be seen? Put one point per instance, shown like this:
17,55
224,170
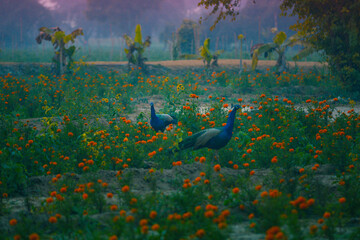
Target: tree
334,27
136,48
224,8
63,54
279,45
206,55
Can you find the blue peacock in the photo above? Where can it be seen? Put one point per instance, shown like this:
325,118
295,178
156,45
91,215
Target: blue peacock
213,138
160,121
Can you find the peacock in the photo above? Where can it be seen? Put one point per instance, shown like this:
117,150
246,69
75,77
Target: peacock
160,121
213,138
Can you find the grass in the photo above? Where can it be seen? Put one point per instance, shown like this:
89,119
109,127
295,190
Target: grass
79,159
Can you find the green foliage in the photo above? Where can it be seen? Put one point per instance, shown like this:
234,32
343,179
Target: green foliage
136,48
334,29
280,43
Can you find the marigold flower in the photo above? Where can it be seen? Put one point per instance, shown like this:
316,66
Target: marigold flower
85,196
236,190
217,168
13,222
251,216
209,214
52,220
153,214
34,236
155,227
113,207
326,215
125,189
129,218
113,237
342,200
200,233
313,229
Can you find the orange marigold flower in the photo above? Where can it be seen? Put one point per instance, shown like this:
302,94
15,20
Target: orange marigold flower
52,220
153,214
326,215
13,222
155,227
125,188
200,233
85,196
70,134
129,218
236,190
217,168
113,207
113,237
143,222
342,200
109,195
209,214
251,216
34,236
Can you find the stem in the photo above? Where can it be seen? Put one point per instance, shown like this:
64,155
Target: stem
240,56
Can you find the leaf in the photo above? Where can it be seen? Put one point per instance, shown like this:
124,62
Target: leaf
303,53
204,51
46,30
255,59
77,32
147,41
59,35
138,36
67,38
280,38
268,47
128,40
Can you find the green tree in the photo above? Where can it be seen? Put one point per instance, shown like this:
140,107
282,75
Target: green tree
206,55
279,45
334,27
136,48
63,54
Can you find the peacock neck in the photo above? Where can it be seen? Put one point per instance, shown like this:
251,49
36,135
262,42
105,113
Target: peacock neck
153,115
230,122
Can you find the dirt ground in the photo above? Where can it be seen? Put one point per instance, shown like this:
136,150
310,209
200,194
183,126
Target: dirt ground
222,63
178,64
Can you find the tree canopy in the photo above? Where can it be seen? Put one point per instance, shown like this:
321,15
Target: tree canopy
331,26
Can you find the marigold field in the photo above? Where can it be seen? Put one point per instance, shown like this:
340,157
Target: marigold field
79,159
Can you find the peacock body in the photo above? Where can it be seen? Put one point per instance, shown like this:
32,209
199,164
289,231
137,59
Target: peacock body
159,122
213,138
